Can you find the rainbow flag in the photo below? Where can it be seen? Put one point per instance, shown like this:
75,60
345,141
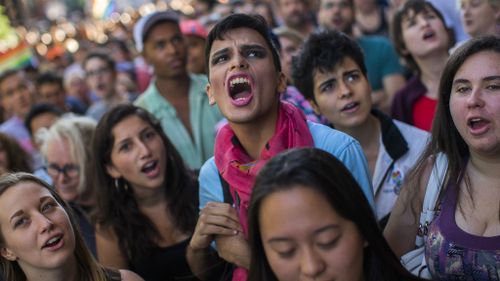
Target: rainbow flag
18,57
102,9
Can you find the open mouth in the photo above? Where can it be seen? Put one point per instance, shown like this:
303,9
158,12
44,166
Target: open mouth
149,167
239,87
240,90
477,123
52,241
350,106
429,34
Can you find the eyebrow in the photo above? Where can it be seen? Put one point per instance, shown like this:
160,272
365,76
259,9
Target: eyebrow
326,82
487,79
247,47
244,47
219,52
16,214
316,232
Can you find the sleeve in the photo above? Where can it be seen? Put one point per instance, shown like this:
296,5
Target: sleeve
354,159
348,151
210,185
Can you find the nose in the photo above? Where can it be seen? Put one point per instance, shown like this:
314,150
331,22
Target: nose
423,21
239,62
145,151
44,223
170,48
312,264
475,99
343,90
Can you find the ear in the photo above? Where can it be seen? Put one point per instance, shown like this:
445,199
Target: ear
315,107
112,171
210,94
7,254
282,83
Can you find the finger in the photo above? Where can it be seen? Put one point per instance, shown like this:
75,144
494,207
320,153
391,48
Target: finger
223,209
221,221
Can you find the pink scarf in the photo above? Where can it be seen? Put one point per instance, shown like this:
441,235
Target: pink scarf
239,170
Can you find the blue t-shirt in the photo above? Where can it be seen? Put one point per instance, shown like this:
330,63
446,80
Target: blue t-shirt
340,145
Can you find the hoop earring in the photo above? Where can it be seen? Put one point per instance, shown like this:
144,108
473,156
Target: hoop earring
117,184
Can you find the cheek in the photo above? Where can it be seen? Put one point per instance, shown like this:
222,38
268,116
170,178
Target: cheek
284,269
346,261
456,111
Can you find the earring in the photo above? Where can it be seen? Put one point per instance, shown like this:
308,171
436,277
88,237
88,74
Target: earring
117,184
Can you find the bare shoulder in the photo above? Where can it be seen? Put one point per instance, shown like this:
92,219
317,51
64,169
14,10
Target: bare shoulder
128,275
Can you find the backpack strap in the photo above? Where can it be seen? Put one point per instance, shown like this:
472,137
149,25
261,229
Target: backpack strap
226,192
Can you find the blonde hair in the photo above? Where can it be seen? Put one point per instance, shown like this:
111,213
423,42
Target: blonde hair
88,268
77,132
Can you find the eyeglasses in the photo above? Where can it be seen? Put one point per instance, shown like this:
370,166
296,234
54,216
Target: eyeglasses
69,170
97,72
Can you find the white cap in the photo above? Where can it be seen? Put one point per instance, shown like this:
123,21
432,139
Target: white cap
145,23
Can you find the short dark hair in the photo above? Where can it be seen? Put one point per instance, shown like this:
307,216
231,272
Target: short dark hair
100,55
323,51
39,109
321,172
417,6
255,22
49,78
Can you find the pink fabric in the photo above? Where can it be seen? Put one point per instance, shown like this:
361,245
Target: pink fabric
239,170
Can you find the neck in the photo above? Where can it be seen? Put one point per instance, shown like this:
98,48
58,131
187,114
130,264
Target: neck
430,73
486,165
148,197
111,97
254,135
173,88
305,29
367,133
67,272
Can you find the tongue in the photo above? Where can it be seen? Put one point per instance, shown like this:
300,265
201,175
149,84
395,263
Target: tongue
478,124
241,95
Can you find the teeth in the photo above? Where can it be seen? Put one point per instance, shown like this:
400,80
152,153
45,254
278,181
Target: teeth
53,240
149,165
239,80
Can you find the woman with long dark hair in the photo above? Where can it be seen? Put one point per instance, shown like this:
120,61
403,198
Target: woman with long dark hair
462,242
147,199
309,220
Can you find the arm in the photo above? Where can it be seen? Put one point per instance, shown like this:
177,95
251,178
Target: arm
402,227
216,220
128,275
108,250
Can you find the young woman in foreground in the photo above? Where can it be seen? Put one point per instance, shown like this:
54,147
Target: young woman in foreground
309,220
39,239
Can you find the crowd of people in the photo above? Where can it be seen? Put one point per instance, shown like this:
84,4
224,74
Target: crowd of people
261,140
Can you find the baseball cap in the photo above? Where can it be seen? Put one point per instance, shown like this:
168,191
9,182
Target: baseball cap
193,27
142,27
